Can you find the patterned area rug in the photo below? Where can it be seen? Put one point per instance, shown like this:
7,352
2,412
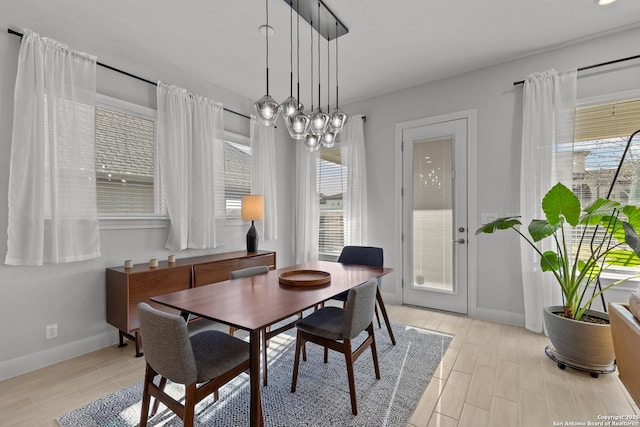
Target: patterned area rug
322,395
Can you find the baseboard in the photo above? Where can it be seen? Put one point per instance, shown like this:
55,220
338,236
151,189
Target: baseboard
500,316
31,362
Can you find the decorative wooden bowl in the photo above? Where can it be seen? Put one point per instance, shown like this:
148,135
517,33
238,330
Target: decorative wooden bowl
305,278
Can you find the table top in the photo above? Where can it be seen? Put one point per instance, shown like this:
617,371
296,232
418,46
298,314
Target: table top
255,302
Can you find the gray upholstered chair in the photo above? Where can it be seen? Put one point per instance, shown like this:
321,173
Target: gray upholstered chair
246,272
361,255
203,362
334,328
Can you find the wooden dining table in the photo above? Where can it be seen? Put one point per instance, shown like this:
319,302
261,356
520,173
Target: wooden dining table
253,303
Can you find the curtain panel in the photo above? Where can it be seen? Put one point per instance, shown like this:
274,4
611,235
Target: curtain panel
263,176
549,103
191,153
307,209
52,192
352,153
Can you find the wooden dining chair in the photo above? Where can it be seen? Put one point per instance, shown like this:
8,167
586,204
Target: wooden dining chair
361,255
203,362
334,328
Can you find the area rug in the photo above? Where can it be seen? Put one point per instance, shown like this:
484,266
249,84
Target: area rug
322,395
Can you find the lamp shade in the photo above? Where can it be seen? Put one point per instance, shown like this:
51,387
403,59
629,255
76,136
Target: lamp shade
252,207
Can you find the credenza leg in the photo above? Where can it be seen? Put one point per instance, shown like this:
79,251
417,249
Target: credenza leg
139,352
122,343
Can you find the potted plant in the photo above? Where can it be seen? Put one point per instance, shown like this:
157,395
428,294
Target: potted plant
585,243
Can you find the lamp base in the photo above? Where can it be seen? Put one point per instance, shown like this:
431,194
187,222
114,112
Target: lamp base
252,239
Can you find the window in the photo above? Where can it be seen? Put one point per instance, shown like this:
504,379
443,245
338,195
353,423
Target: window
237,172
601,134
331,180
126,181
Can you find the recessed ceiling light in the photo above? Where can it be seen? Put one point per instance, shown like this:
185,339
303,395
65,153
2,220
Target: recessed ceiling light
269,29
604,2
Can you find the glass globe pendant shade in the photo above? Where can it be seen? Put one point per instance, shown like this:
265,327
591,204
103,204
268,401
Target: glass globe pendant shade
290,106
267,110
337,121
311,142
329,139
297,124
319,123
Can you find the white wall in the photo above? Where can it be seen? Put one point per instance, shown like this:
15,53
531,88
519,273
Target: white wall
73,295
499,109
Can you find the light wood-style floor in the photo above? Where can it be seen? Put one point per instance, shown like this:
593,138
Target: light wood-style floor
491,375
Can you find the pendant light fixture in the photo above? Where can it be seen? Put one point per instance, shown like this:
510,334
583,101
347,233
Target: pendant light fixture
338,118
311,141
267,109
290,106
329,138
298,123
319,120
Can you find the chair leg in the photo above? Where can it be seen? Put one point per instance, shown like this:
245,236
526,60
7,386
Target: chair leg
326,355
377,316
232,330
348,356
146,397
189,405
296,362
156,404
374,351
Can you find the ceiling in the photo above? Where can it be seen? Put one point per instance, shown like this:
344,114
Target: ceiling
391,44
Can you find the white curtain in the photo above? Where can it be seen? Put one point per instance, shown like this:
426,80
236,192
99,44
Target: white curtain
191,153
549,102
52,191
306,205
263,176
355,196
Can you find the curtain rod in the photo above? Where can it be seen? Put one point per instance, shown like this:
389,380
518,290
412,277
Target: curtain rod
588,67
15,33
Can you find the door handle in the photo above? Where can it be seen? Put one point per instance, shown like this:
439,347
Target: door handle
460,240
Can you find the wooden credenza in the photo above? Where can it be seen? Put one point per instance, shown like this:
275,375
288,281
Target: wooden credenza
126,287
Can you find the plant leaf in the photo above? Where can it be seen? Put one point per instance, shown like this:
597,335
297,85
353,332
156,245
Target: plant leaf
598,209
631,237
539,229
592,272
622,257
633,215
499,224
549,261
561,202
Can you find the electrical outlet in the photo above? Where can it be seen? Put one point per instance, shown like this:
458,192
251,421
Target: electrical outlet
51,331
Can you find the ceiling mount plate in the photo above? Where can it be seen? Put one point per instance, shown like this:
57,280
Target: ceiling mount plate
308,10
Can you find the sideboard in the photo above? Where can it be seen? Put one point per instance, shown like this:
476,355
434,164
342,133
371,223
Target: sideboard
126,287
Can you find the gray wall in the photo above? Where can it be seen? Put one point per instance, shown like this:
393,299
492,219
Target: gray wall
499,110
73,295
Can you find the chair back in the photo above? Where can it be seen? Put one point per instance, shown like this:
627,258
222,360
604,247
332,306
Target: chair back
167,347
358,313
362,255
248,272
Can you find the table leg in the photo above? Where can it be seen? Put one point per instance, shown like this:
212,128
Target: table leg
385,316
255,409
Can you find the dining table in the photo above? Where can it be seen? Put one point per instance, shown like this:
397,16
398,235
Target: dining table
253,303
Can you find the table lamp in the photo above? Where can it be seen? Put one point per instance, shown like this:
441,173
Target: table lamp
252,209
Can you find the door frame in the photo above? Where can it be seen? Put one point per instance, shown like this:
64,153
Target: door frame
472,199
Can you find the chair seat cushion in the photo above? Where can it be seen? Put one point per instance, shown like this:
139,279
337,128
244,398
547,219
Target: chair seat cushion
216,353
326,322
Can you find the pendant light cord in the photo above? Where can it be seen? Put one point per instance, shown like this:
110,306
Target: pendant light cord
298,53
319,103
266,38
336,65
291,45
311,32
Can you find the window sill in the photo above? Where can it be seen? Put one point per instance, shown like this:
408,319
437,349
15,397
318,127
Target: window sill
133,223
